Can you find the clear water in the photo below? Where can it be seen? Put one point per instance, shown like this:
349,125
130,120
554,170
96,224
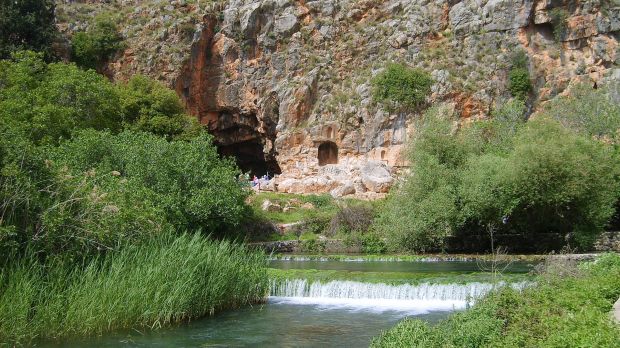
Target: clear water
303,314
275,324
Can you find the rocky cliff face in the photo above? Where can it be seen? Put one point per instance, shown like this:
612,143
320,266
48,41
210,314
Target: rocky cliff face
284,85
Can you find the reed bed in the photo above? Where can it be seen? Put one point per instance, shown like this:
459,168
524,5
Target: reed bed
165,281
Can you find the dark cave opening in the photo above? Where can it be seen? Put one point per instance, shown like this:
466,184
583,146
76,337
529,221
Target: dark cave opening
250,158
328,153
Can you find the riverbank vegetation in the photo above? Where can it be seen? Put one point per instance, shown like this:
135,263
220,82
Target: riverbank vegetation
98,184
163,281
311,217
569,307
555,175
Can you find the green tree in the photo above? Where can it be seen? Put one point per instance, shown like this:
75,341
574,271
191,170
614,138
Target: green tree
92,48
187,180
26,25
520,84
402,86
152,107
594,112
522,178
51,100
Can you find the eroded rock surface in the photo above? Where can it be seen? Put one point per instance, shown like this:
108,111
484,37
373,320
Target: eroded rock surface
285,85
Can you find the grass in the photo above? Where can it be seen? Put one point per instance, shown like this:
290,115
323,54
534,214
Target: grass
324,205
394,278
568,308
166,281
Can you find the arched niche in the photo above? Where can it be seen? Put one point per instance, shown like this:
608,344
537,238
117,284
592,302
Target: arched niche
328,153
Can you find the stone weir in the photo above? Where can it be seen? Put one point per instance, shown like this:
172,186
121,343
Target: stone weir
285,85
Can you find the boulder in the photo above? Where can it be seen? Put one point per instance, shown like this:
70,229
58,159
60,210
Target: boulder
344,190
271,207
376,177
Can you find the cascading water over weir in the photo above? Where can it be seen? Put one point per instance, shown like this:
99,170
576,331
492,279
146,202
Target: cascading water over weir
412,299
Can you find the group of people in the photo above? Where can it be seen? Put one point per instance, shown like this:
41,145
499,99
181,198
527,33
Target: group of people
255,182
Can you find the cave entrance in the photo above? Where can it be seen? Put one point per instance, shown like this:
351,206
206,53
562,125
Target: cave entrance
250,158
328,153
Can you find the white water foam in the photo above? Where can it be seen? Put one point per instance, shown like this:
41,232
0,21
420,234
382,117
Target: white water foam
413,299
408,307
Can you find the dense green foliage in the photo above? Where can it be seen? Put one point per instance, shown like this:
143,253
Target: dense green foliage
165,281
591,112
97,182
402,86
520,84
185,179
26,25
50,101
101,189
149,106
92,48
503,176
564,309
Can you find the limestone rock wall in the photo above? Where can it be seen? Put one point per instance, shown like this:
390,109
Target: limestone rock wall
277,80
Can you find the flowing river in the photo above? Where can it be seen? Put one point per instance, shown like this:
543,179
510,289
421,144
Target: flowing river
311,313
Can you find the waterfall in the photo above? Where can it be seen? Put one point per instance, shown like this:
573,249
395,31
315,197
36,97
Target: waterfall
414,299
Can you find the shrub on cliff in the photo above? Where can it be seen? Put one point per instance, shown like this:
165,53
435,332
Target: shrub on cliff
92,48
26,25
399,85
558,17
519,83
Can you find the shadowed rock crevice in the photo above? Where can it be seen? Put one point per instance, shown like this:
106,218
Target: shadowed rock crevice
250,157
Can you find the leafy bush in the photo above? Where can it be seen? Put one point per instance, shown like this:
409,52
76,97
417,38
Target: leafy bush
519,59
186,179
520,178
402,86
590,112
313,245
51,101
520,84
557,312
152,107
352,218
99,191
372,243
97,45
164,281
27,25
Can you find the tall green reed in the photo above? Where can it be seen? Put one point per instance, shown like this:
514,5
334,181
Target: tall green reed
165,281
